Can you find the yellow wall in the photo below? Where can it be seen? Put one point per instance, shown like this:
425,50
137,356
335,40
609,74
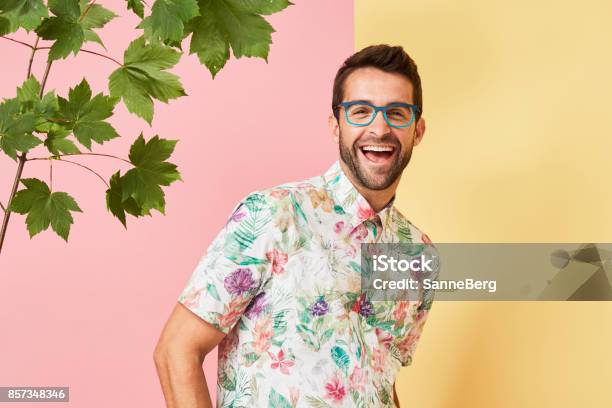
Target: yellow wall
518,148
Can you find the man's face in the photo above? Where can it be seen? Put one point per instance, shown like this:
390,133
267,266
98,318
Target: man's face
372,169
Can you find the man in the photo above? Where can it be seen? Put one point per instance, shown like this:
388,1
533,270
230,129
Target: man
279,288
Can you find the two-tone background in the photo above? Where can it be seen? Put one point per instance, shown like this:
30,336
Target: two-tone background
517,149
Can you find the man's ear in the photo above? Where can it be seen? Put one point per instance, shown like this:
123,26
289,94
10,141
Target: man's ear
420,131
334,128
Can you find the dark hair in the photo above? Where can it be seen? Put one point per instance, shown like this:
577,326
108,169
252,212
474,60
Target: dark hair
386,58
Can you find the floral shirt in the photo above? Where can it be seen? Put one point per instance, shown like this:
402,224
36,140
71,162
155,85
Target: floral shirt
282,280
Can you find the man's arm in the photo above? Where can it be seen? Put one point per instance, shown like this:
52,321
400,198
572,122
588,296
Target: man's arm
395,399
184,342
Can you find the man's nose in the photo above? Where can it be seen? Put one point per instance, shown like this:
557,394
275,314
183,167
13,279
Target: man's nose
379,125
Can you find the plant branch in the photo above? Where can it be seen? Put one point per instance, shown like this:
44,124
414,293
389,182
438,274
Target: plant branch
22,157
81,165
3,208
32,57
7,214
44,81
18,42
103,56
51,175
90,52
76,154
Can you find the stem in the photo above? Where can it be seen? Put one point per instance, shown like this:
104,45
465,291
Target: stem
51,175
81,165
18,42
32,57
103,56
90,52
7,214
76,154
44,81
21,161
3,208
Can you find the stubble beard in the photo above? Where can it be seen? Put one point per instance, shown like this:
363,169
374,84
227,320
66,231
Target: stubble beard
350,158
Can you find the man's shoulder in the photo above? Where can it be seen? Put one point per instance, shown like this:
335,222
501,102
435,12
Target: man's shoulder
287,190
404,225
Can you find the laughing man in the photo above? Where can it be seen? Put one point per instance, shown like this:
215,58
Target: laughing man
278,290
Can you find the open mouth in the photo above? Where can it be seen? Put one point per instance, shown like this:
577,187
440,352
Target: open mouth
378,154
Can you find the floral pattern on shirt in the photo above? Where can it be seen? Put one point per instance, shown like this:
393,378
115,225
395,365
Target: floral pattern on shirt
282,280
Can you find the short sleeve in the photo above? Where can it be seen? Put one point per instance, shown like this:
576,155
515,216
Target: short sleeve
234,268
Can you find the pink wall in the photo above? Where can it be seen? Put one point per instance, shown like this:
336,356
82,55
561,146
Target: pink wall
87,314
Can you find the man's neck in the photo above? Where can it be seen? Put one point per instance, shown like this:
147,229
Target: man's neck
378,199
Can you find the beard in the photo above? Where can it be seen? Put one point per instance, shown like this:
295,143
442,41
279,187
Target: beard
366,177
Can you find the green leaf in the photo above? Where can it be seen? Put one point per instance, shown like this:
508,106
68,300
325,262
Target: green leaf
136,6
64,28
9,5
226,382
276,400
114,202
29,90
143,77
340,358
251,227
85,115
338,209
72,25
235,23
44,207
150,172
209,43
168,18
250,358
16,128
57,143
212,290
44,108
152,37
94,16
21,13
139,190
242,259
316,402
326,335
265,7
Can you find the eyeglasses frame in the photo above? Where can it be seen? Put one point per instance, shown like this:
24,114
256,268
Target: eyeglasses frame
383,109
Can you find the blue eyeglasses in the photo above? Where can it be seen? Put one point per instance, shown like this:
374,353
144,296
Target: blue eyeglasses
361,113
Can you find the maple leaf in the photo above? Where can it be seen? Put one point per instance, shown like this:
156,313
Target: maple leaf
71,25
136,6
85,115
168,18
44,207
143,77
139,190
21,13
16,129
232,23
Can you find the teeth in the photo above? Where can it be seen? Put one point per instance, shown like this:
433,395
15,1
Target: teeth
378,148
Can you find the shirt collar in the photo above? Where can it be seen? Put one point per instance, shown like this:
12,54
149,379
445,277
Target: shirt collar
353,203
